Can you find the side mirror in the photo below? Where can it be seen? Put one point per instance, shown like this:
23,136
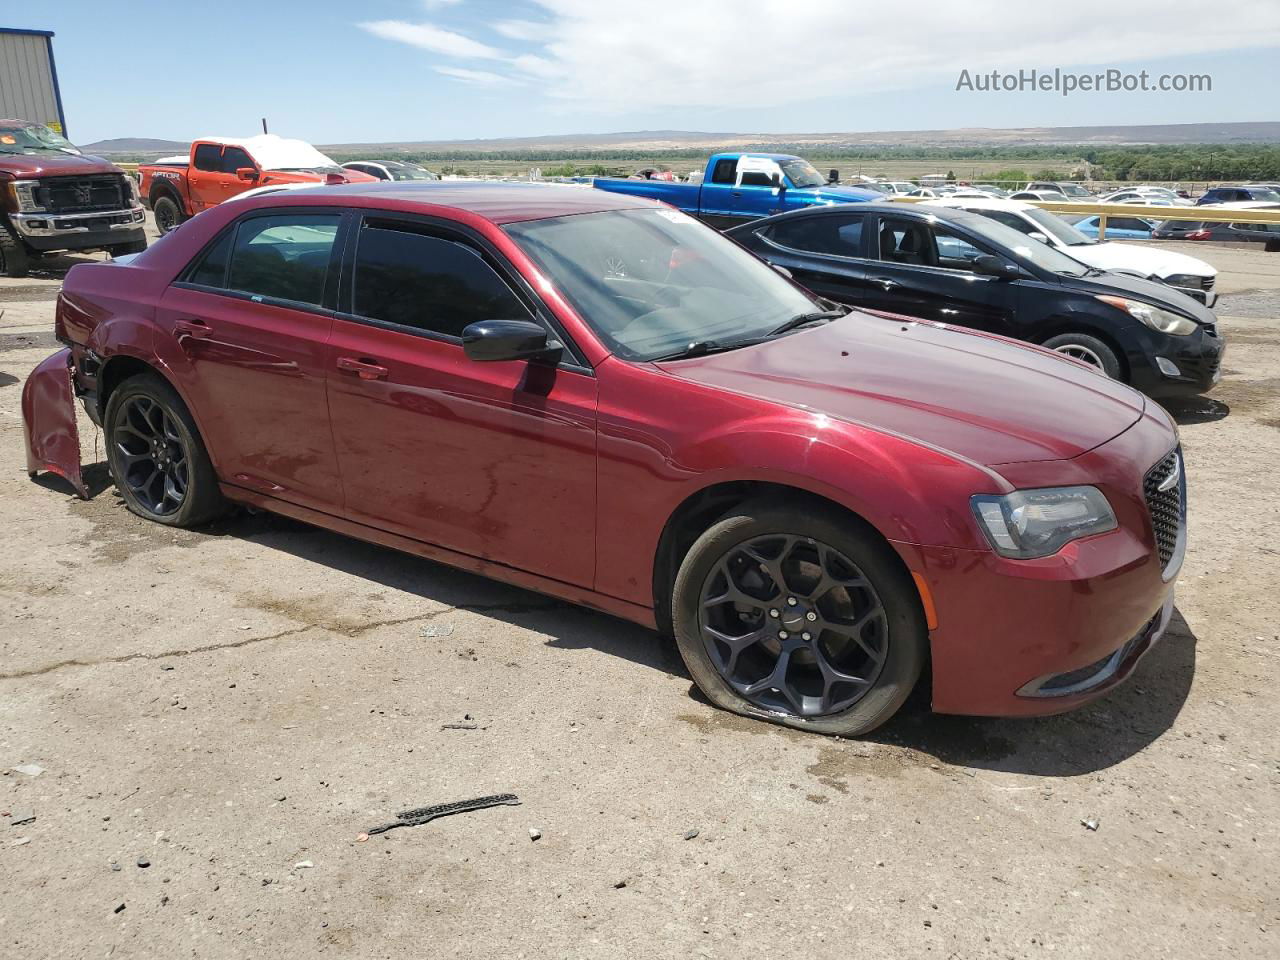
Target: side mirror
247,174
779,184
1037,235
996,267
833,176
492,340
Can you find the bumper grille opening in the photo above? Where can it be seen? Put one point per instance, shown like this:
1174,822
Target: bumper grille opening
1164,489
83,194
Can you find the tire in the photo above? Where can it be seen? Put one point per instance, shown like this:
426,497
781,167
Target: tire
14,259
1089,349
167,213
787,539
157,459
124,249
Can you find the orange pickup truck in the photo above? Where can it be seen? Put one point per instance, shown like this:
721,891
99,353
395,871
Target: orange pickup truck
177,188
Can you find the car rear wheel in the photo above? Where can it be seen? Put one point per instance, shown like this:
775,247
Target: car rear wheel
1087,349
799,616
167,214
156,457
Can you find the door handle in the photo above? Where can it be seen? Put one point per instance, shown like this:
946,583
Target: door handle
196,329
885,282
364,368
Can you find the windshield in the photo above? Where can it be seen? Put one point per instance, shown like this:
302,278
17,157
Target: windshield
1056,227
651,282
801,173
1024,248
33,138
406,171
1073,190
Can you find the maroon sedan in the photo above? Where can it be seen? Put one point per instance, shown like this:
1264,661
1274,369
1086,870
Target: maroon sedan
602,399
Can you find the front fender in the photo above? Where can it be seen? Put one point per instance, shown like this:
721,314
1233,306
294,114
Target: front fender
49,421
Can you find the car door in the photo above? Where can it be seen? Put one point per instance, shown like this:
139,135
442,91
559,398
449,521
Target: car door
492,460
246,327
235,159
758,191
204,176
715,197
823,252
927,271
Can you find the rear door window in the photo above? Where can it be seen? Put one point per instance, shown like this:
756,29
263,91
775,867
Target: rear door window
427,282
832,235
208,157
725,170
283,257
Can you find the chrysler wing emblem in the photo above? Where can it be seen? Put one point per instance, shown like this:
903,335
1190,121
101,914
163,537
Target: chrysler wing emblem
1169,482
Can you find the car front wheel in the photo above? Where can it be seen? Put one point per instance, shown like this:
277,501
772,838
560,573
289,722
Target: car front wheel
1087,349
800,616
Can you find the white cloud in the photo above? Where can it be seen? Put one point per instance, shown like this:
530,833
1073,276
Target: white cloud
524,30
765,53
431,38
482,78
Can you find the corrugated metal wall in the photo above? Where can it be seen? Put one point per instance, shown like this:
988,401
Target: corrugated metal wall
26,80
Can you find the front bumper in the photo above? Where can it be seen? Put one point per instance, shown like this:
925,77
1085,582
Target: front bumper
79,231
1035,637
1167,366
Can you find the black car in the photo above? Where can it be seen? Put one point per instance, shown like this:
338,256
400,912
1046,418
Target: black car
958,267
1264,233
1241,192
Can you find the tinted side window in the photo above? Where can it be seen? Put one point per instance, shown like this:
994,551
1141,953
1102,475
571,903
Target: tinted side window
428,283
953,251
211,271
756,178
906,242
725,170
841,236
208,157
233,158
285,257
1010,220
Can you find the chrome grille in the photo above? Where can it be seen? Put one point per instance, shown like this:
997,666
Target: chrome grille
83,194
1167,506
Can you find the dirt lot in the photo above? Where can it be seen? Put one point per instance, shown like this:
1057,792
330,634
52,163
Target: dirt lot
234,706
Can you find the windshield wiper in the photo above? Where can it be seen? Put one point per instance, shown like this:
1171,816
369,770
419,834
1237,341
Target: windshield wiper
700,348
802,319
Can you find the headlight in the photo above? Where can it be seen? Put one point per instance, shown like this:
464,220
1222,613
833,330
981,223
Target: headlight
1037,523
1159,320
1184,280
24,195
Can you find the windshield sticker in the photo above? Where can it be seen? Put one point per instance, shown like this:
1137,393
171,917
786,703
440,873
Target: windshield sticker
6,138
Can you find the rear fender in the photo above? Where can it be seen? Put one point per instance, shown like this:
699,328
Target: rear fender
49,421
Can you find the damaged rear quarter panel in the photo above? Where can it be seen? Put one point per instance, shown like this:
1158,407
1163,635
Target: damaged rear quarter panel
49,421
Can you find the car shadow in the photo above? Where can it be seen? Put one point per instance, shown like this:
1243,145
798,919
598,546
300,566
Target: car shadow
1093,738
1189,410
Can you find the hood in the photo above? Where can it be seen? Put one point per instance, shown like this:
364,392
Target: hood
54,165
1143,260
840,194
1149,291
944,386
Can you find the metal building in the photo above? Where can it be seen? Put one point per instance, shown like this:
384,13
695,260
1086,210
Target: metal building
29,79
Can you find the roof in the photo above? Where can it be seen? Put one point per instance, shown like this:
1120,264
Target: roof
496,202
982,203
911,210
27,33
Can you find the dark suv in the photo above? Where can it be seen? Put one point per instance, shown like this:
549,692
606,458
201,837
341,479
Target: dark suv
1239,193
962,268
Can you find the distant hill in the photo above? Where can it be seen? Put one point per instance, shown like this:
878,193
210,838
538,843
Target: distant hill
136,145
1223,133
1132,135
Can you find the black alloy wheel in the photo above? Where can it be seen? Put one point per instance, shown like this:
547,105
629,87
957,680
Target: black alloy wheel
792,625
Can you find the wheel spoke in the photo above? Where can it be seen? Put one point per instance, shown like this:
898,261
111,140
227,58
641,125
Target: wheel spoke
776,680
773,565
735,644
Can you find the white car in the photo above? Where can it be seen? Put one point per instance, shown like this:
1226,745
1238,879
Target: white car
897,188
1051,196
390,169
1146,196
1193,277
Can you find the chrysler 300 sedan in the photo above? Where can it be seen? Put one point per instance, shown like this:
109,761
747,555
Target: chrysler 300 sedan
598,397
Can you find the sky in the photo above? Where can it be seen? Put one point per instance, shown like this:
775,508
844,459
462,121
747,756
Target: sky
397,70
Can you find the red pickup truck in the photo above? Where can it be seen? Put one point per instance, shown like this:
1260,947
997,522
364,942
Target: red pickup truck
53,197
177,188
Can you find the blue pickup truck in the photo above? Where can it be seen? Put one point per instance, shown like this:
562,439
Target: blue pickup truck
744,186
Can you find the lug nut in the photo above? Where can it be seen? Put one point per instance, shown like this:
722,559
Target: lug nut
773,613
806,635
782,634
791,601
811,616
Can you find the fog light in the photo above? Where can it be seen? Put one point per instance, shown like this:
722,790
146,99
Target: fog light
1168,367
37,224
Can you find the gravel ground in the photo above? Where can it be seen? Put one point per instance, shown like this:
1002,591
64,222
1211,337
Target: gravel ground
232,707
